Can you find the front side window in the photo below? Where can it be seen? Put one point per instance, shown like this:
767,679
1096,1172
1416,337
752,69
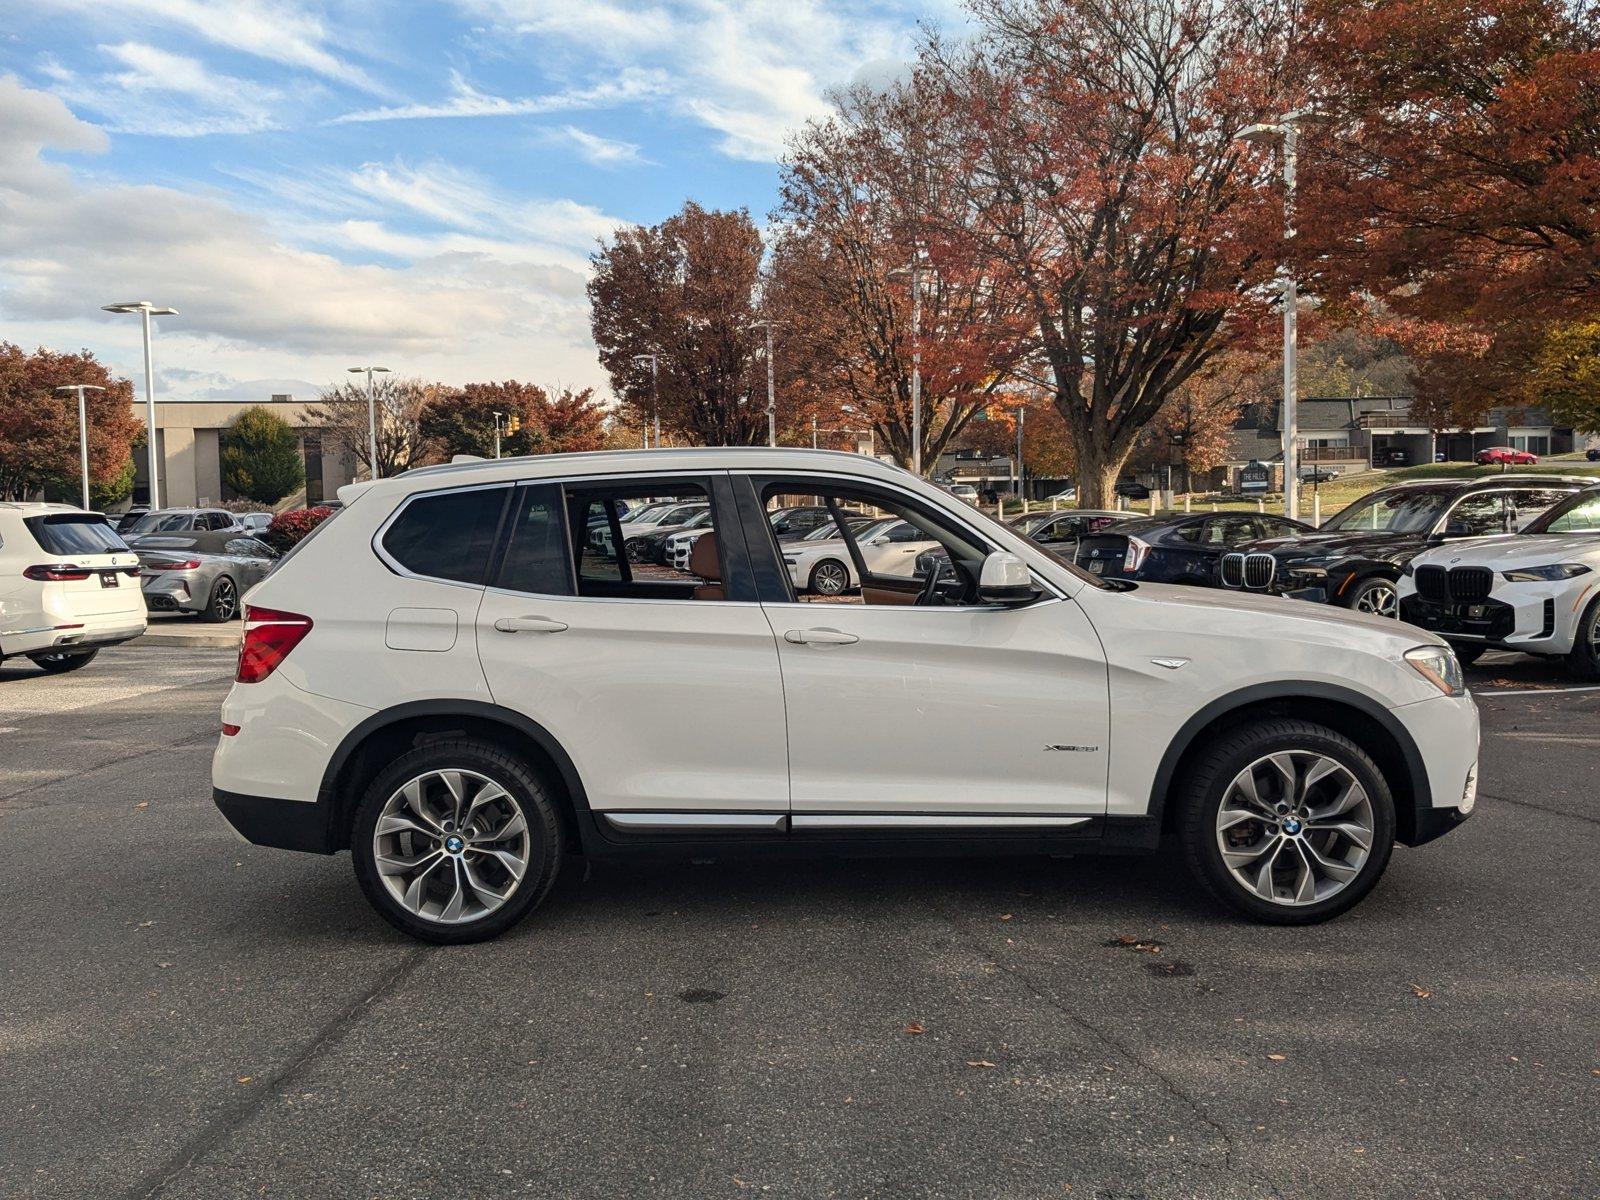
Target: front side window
448,535
900,555
1477,516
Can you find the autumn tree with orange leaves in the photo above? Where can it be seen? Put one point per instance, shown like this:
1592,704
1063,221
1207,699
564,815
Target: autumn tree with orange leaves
1099,168
39,426
1455,183
685,290
864,195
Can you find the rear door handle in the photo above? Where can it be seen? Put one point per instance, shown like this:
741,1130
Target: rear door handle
820,637
529,625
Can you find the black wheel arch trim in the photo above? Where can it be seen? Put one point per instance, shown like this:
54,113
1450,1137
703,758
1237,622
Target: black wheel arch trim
1416,769
327,793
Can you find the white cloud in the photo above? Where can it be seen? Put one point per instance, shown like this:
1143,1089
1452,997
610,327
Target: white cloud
158,92
752,70
497,294
277,30
467,101
602,151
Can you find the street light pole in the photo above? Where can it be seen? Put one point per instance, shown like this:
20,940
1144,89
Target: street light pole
497,417
1016,486
772,397
372,414
1287,132
655,396
146,310
83,430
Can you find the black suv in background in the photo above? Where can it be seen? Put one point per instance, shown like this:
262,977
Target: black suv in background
1355,558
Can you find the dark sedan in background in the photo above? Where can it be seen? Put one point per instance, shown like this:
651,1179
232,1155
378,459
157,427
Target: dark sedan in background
1176,547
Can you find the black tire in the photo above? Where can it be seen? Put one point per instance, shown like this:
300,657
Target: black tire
1468,652
635,549
526,788
1371,592
1583,660
223,603
830,577
1202,792
59,662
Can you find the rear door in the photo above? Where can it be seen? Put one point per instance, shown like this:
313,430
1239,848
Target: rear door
661,683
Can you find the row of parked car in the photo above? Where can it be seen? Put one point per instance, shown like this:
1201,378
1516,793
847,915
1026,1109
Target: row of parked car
72,583
1510,563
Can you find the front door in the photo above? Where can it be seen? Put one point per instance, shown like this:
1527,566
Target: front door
662,684
911,705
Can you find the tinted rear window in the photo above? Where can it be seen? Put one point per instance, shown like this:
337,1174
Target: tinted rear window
447,536
75,533
536,559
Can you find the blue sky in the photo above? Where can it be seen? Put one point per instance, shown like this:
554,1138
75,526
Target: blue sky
315,185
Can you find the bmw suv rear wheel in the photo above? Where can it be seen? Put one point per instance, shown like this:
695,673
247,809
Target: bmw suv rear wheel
1287,822
456,842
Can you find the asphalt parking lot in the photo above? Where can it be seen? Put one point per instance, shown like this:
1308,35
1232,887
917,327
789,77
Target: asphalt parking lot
184,1015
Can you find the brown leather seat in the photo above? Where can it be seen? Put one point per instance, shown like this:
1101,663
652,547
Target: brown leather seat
706,562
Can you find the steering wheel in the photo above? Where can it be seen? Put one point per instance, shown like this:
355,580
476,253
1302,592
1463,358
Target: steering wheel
930,589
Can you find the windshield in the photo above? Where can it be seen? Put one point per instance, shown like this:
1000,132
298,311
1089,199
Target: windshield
159,522
1032,521
648,515
1399,510
1576,514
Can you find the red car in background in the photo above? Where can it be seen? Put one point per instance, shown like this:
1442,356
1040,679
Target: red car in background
1500,455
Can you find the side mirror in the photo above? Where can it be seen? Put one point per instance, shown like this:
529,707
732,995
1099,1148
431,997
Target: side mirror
881,540
1004,579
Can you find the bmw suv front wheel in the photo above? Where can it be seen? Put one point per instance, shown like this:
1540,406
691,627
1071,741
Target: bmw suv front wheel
1286,821
456,842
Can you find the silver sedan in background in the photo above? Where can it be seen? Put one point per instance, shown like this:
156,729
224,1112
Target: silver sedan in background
203,573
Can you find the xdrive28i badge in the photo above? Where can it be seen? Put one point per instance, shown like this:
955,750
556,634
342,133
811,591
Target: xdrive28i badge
1074,749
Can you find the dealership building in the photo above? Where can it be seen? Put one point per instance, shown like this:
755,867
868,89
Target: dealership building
189,449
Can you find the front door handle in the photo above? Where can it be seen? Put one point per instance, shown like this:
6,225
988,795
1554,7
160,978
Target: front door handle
529,625
820,637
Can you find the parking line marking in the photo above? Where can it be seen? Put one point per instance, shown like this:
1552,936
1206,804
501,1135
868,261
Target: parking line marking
1541,691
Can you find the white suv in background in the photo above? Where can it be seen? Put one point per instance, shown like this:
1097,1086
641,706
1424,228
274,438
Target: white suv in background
68,585
457,684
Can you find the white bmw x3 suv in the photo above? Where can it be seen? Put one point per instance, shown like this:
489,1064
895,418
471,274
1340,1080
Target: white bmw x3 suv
456,684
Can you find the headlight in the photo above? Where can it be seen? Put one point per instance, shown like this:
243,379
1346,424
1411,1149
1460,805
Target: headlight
1553,571
1438,665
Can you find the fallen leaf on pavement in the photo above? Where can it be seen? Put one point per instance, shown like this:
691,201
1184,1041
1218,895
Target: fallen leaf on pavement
1277,1057
142,804
982,1062
915,1027
1421,992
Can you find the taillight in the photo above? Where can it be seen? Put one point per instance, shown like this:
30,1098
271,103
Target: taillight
1137,552
269,635
56,573
160,568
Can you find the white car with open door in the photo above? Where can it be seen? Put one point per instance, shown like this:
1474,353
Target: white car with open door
69,585
453,682
1536,591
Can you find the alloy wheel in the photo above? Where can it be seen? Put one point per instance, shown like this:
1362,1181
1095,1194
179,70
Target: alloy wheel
451,846
1295,827
1380,599
225,599
830,579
